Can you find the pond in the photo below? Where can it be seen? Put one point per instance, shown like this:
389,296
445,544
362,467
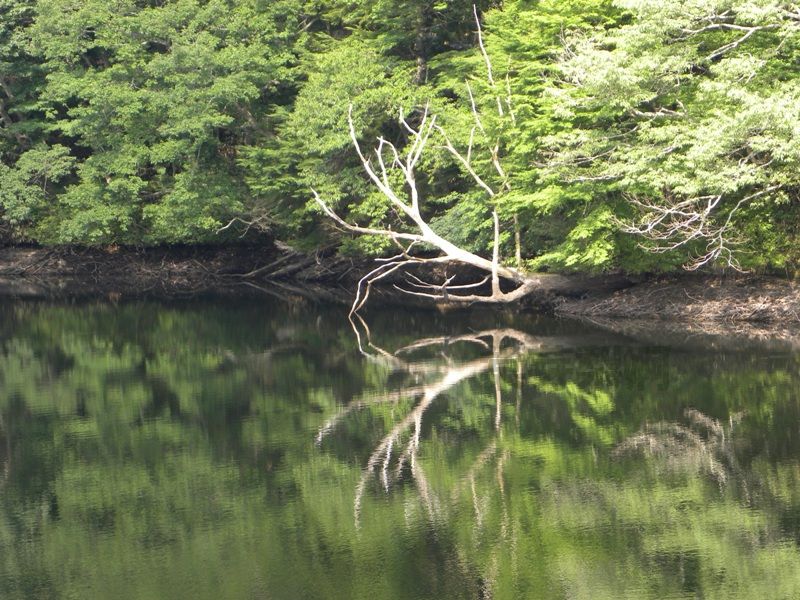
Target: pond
242,449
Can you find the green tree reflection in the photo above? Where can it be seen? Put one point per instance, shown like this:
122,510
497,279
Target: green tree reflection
240,452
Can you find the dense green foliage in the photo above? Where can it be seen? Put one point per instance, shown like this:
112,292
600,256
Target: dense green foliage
689,105
143,122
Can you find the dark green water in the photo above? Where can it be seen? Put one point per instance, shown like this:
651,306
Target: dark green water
252,451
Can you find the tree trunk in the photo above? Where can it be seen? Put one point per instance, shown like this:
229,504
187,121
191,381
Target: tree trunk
422,31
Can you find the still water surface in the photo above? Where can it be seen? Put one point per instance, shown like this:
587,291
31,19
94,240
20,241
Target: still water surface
254,450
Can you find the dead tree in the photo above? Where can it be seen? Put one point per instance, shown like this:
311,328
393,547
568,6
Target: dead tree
672,223
386,158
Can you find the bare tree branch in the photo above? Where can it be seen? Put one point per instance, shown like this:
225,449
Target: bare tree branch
674,223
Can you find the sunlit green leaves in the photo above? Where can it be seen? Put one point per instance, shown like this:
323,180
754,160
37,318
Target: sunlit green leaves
686,100
149,98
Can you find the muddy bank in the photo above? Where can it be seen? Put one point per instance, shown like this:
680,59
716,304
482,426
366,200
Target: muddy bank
722,313
697,299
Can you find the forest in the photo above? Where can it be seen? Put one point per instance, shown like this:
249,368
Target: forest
633,135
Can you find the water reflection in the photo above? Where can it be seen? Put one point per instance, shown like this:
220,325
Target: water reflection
678,459
263,451
397,452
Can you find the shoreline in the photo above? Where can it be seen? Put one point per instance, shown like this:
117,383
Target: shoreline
116,273
186,271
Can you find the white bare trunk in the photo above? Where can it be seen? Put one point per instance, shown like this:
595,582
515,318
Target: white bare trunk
406,203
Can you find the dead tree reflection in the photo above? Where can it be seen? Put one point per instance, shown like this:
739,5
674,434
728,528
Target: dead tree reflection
408,430
700,445
398,451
